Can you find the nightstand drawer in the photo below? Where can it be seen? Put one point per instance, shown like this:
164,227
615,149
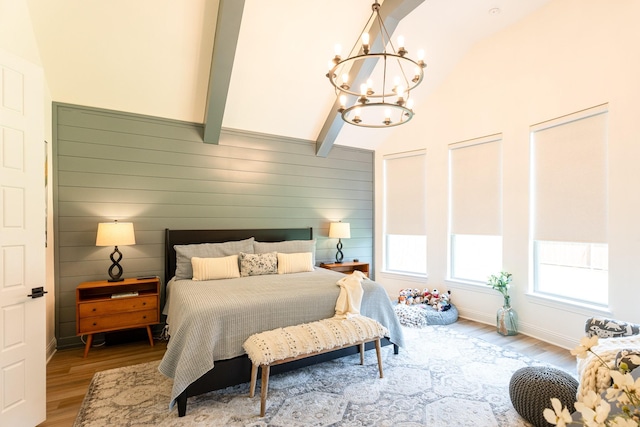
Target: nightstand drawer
117,305
117,321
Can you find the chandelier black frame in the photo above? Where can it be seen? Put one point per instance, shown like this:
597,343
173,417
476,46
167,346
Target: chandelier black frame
375,108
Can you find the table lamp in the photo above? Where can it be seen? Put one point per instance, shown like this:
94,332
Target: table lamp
339,230
114,234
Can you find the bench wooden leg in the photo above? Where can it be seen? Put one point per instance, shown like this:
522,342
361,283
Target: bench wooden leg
361,346
379,357
254,376
263,389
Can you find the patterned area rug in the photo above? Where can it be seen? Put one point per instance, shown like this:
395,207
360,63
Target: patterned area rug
443,378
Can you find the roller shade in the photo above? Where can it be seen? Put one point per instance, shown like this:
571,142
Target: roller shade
570,179
476,188
405,194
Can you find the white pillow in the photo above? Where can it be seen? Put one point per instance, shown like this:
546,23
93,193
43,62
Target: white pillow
295,263
215,268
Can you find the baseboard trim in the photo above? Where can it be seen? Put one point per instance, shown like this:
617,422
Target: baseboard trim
51,349
531,330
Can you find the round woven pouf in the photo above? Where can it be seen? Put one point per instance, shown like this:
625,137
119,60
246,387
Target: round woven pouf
532,388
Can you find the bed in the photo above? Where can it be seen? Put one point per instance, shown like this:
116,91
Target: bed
208,320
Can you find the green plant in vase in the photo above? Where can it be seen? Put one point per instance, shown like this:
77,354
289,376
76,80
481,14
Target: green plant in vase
506,317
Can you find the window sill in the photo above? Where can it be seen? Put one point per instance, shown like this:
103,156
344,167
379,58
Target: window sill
582,308
469,285
420,278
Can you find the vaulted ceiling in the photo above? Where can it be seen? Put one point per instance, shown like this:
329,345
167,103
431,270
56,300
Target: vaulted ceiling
154,57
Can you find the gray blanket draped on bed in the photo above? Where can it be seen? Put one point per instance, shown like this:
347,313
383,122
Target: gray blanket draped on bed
210,320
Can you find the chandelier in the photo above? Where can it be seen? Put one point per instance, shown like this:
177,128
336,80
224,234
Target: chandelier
386,102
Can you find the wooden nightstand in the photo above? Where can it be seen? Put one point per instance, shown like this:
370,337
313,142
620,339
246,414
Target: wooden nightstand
348,267
105,306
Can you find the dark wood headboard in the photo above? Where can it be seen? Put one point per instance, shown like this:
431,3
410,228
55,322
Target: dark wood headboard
190,237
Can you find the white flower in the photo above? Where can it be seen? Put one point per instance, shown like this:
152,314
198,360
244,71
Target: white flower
594,416
623,386
585,345
591,400
625,381
559,416
622,422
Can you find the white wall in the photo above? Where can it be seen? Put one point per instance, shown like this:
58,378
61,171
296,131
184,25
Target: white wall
567,56
17,37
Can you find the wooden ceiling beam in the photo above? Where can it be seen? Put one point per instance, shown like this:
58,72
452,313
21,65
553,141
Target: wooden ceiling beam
224,51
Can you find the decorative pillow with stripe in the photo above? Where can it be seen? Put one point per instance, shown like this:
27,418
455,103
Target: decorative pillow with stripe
295,263
215,268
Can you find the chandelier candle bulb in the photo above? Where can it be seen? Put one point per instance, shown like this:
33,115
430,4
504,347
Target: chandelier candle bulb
410,104
357,118
387,116
345,81
421,58
365,43
416,74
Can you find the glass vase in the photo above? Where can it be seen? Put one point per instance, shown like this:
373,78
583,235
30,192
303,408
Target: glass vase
507,319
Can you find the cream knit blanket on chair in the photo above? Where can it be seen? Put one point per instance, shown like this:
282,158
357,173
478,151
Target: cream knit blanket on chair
592,375
350,298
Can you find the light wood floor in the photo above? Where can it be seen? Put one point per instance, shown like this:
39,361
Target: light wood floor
69,374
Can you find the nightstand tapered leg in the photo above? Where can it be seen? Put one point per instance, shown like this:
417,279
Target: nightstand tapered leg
87,346
150,335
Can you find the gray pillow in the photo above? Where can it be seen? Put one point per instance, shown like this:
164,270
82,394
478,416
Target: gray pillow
287,247
184,253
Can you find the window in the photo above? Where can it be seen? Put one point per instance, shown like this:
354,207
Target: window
475,209
569,207
405,237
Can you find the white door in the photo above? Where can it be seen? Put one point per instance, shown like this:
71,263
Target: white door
22,252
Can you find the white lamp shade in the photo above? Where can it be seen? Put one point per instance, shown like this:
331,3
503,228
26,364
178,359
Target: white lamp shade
115,234
339,230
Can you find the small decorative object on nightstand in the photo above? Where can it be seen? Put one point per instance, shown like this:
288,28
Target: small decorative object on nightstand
105,306
348,267
339,230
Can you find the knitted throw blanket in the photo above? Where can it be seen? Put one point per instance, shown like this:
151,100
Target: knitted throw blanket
350,298
592,374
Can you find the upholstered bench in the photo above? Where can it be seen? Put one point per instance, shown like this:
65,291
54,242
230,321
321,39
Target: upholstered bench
283,345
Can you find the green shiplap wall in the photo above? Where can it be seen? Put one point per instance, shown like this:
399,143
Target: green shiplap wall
158,174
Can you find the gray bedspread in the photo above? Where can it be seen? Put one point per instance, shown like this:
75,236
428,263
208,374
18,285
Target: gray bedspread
210,320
